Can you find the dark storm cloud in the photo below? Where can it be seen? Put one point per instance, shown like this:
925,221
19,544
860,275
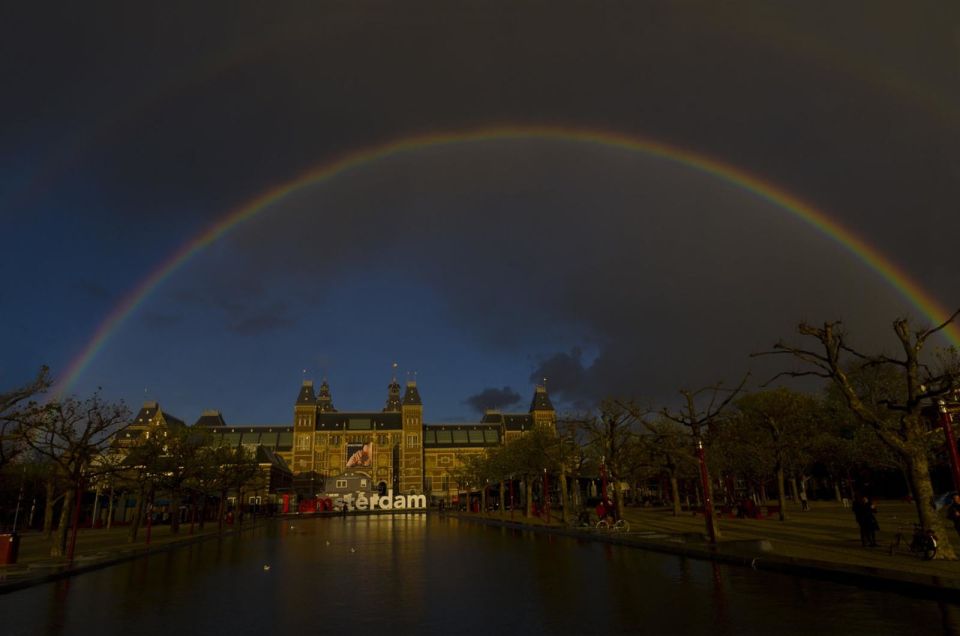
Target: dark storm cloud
240,305
493,398
668,277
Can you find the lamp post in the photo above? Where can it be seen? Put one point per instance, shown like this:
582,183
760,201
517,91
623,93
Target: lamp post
705,484
946,422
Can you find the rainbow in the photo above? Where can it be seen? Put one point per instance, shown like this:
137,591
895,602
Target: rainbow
759,187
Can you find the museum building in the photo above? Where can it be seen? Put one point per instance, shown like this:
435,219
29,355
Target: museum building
330,452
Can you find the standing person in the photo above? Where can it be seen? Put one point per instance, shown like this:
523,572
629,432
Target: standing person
953,512
865,510
804,506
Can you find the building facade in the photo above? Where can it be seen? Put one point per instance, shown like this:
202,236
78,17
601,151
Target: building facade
393,448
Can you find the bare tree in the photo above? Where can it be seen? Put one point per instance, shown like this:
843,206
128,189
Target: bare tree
609,435
786,421
699,418
72,434
898,418
14,415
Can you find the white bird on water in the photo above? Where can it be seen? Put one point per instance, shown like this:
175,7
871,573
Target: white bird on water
353,550
266,568
328,543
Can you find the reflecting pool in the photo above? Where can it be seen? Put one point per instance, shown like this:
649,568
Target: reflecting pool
434,575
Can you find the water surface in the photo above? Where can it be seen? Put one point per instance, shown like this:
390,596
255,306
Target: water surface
435,575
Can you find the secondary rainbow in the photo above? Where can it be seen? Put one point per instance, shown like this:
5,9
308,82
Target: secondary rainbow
759,187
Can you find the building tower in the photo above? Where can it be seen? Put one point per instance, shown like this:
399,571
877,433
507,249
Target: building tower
304,425
411,444
324,401
393,395
541,410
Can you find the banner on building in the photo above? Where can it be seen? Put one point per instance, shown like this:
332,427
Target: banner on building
359,455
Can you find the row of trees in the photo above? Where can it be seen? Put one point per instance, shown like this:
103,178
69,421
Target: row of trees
62,448
877,410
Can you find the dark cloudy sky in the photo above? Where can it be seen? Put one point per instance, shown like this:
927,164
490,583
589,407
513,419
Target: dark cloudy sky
126,129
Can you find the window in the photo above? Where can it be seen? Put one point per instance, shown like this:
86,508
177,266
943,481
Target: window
459,437
341,483
413,440
444,437
476,436
303,442
381,440
363,483
334,440
491,436
429,437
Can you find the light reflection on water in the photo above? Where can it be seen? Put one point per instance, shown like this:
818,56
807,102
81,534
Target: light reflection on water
414,574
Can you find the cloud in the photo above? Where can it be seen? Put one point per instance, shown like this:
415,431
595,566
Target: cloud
493,398
261,321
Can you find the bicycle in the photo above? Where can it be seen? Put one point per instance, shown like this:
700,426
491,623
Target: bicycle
620,525
923,542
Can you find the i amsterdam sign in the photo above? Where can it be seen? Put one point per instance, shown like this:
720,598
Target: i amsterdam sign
373,501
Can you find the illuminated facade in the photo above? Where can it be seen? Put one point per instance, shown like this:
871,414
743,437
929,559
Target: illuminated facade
330,451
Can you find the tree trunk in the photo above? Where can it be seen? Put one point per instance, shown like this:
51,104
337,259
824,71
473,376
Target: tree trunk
920,476
483,499
795,493
836,491
59,546
137,516
110,510
564,499
223,499
906,480
675,493
503,501
528,504
48,508
95,518
174,513
781,495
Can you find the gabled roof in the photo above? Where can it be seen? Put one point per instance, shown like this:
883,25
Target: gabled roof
517,421
265,455
146,414
411,397
541,401
306,395
172,421
211,419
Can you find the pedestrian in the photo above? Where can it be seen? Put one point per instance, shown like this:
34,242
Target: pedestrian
804,505
953,512
865,512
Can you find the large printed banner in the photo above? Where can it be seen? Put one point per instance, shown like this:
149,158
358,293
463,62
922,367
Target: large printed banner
360,455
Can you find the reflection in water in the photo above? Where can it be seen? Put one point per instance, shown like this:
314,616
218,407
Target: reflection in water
430,575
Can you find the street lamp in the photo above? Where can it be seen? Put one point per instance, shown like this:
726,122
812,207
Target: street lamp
946,422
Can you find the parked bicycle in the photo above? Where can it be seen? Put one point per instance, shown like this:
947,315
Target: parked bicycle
923,542
620,525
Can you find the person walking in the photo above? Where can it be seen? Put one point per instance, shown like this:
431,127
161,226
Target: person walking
864,510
